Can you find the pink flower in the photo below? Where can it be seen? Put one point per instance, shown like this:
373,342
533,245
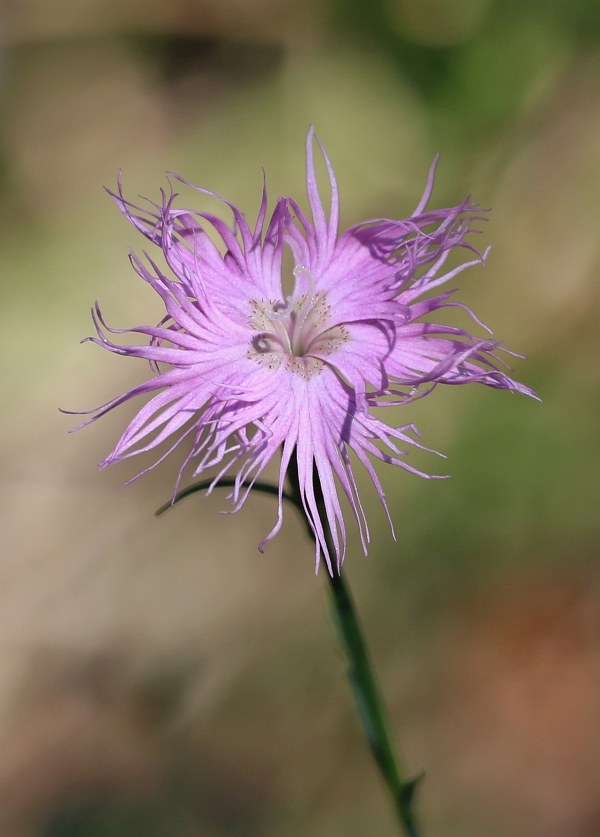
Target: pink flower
241,371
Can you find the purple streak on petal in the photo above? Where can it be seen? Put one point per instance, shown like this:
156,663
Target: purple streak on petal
334,214
428,187
318,213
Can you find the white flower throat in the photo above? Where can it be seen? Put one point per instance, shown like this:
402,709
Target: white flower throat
297,332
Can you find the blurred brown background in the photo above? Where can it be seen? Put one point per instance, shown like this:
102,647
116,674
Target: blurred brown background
160,677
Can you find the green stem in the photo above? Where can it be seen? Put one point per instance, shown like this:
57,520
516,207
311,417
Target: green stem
369,704
367,696
225,482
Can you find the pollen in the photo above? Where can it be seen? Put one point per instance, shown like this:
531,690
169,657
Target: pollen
298,331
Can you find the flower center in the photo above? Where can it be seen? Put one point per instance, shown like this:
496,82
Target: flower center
297,332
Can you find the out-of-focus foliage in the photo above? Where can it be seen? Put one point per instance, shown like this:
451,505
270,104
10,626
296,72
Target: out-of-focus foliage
159,676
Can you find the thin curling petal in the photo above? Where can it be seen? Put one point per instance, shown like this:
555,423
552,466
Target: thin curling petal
242,372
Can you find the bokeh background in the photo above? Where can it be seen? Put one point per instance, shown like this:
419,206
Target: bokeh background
159,676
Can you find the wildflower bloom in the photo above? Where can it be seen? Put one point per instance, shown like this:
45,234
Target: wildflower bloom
242,370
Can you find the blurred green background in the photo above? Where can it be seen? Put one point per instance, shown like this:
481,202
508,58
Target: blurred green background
160,677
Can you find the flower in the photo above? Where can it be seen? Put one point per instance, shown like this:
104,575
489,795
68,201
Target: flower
243,370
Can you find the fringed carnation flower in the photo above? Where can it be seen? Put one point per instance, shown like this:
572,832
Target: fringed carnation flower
243,371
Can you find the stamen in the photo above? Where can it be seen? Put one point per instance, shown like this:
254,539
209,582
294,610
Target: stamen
261,343
295,328
299,318
282,309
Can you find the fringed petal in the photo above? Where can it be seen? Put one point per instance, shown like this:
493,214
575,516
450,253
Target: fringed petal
251,373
